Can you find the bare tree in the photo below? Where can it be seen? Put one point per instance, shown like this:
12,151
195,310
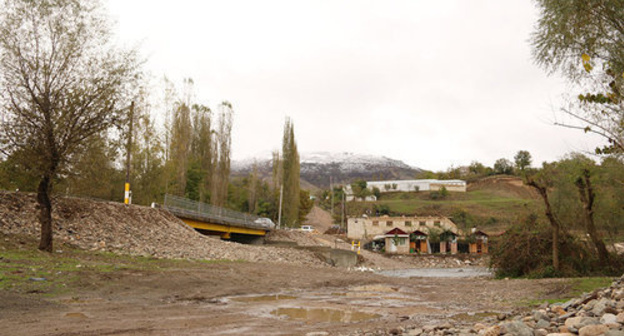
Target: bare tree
542,182
61,82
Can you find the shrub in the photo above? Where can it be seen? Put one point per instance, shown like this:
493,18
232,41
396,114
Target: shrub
525,250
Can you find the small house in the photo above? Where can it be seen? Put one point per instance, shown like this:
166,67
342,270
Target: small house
418,242
478,242
397,241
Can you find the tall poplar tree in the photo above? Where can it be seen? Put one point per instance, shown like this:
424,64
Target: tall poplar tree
290,176
222,151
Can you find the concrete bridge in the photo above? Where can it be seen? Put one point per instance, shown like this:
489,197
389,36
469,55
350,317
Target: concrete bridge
216,221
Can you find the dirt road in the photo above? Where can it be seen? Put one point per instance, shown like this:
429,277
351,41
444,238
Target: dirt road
222,298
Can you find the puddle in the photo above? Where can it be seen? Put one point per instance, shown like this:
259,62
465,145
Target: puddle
375,288
438,273
76,315
319,315
264,298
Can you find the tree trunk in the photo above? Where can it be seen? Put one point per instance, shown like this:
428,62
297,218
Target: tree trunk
554,223
45,214
587,196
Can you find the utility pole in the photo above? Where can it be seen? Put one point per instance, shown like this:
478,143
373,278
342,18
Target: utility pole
128,193
279,214
331,190
343,210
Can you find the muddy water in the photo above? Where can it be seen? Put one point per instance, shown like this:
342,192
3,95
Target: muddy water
264,298
319,315
439,273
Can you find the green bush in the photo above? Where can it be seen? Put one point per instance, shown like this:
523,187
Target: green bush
525,250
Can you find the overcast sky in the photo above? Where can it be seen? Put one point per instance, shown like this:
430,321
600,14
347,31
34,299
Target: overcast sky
432,83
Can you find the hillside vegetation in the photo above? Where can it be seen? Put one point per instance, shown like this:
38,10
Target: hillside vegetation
491,204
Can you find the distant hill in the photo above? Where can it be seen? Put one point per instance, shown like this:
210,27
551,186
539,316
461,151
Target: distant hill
492,204
317,167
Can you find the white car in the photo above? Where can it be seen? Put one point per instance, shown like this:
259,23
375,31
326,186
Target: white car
307,228
265,223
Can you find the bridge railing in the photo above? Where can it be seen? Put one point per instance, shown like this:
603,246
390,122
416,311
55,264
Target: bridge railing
191,209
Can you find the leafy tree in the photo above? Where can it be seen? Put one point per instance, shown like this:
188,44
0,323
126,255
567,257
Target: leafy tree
62,81
584,39
93,172
522,160
377,192
305,205
360,189
147,160
503,166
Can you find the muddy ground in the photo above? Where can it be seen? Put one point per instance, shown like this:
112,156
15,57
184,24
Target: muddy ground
74,292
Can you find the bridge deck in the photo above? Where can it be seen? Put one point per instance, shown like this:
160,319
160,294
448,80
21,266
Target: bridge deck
210,218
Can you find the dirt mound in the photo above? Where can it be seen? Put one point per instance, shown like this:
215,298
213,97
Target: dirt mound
319,218
135,230
504,186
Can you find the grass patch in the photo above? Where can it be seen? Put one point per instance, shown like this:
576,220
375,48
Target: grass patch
577,287
586,285
26,270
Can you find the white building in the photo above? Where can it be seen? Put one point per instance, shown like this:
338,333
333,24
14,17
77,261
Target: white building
409,186
417,185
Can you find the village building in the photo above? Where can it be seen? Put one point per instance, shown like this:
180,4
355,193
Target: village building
424,234
367,228
397,241
407,186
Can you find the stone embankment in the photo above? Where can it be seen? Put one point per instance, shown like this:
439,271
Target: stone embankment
600,313
134,230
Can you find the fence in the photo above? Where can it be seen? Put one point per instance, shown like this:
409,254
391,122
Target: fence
186,208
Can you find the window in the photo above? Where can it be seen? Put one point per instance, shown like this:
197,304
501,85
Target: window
408,223
389,223
437,223
423,223
375,223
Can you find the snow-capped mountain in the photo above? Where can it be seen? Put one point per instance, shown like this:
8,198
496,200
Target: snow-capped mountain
317,167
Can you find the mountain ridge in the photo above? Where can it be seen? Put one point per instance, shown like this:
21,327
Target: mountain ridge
342,167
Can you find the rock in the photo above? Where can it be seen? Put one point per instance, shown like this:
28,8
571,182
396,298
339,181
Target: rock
614,333
620,318
618,294
479,326
491,331
540,332
517,328
608,319
559,310
600,306
540,315
415,332
395,331
593,330
542,324
580,322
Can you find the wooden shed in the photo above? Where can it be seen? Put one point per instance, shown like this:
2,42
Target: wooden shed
418,242
397,241
479,242
448,242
